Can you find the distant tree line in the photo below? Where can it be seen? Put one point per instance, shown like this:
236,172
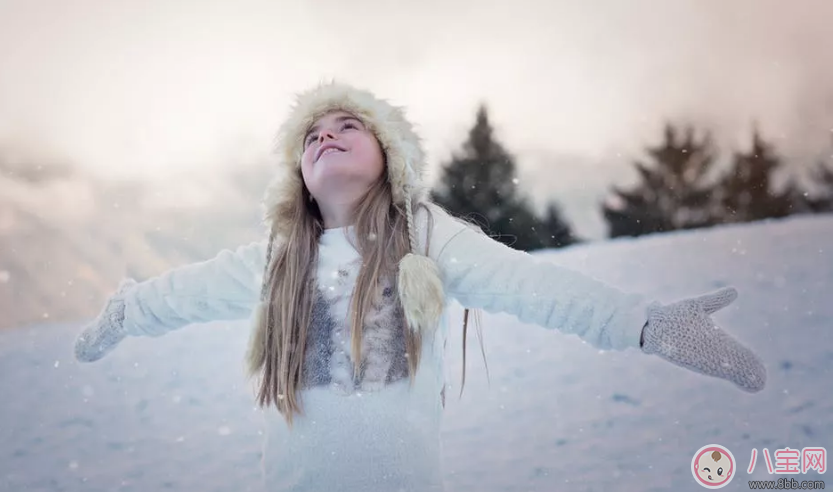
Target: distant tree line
679,188
676,193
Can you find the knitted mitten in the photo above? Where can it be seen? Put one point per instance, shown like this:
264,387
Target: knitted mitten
684,334
106,331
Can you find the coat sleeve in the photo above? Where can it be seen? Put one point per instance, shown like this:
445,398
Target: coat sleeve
226,287
480,272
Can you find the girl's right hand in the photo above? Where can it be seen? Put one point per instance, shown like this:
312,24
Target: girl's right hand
685,334
106,331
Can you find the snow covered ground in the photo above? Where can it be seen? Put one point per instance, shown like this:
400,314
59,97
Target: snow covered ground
176,413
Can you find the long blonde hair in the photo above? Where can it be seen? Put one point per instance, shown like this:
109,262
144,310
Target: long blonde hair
278,344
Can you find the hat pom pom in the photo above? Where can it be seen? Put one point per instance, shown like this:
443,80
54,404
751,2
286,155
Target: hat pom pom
421,291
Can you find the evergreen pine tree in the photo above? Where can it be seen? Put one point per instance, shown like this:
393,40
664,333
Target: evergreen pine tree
672,194
479,184
822,200
746,191
555,230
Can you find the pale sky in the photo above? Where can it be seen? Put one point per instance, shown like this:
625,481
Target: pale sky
153,88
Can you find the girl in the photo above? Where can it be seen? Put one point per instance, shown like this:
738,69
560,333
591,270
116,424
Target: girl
347,297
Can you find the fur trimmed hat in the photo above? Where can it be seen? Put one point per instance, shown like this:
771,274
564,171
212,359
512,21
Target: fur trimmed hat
419,285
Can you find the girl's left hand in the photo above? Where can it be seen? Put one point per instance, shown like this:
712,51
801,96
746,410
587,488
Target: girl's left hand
684,334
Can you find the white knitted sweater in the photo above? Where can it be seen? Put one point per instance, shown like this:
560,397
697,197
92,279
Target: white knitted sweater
377,433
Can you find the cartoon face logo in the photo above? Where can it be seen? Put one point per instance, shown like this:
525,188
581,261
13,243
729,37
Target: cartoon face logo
713,466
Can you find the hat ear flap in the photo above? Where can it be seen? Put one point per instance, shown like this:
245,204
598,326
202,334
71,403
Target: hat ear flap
419,283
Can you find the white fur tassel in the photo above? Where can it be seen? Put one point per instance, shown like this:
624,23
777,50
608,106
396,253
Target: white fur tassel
421,292
256,349
259,314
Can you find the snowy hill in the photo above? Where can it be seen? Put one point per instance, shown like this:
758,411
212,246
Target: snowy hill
176,414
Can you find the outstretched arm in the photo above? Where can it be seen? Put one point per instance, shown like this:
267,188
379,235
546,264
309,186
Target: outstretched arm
480,272
225,287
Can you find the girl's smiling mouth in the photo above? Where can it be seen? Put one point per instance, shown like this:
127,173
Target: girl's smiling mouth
327,149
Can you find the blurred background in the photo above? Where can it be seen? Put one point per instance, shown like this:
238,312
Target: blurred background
135,136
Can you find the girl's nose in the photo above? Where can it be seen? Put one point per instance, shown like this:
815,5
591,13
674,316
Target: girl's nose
325,135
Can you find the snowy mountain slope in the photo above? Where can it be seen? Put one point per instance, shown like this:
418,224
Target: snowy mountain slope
66,239
176,413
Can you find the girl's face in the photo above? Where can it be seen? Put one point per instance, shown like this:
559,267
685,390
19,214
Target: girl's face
341,159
